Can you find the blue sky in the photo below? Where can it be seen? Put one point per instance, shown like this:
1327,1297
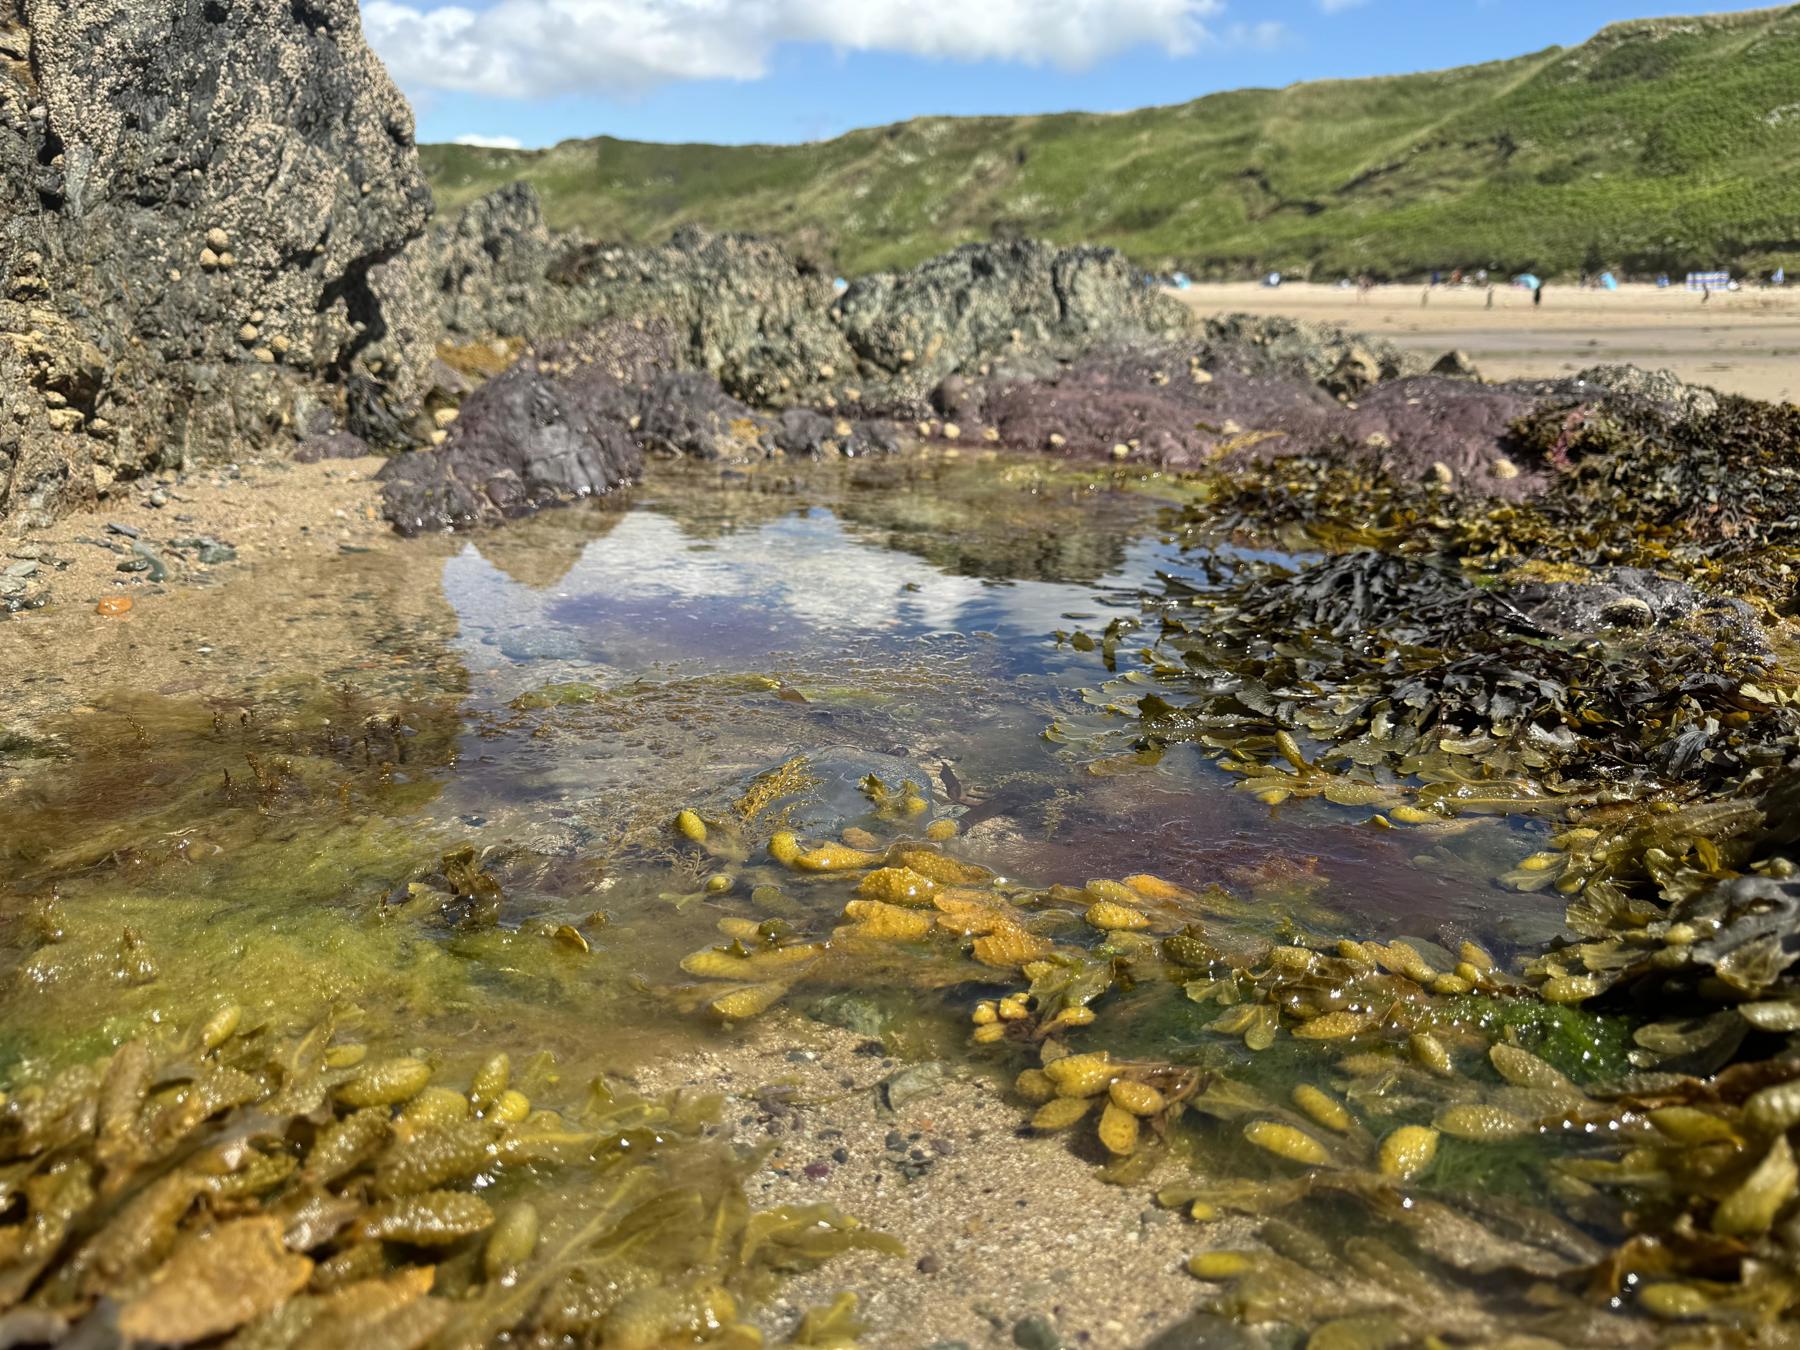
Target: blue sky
533,72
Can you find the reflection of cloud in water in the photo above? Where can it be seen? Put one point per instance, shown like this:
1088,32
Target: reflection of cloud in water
645,591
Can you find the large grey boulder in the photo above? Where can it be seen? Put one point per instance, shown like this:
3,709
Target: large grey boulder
203,205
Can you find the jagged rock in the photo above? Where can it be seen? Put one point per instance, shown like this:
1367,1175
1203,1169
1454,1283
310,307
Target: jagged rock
743,310
488,266
543,432
1333,358
982,302
192,162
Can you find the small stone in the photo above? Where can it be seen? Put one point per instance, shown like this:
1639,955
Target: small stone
990,434
1628,612
444,417
227,261
208,259
159,498
1058,440
439,437
817,1171
895,1142
1505,468
840,1154
134,565
827,371
129,531
1442,474
1121,451
263,354
1232,427
907,357
174,274
249,333
257,316
279,345
22,569
1376,440
1199,376
1035,1333
929,1264
217,240
951,431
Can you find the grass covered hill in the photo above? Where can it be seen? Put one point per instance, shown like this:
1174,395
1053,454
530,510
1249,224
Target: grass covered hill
1658,145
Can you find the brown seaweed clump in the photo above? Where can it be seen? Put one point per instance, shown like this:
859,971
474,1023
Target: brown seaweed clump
235,1188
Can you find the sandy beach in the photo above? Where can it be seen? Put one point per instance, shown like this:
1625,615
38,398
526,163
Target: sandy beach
1744,342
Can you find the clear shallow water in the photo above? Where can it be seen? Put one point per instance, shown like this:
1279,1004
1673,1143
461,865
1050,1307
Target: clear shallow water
599,670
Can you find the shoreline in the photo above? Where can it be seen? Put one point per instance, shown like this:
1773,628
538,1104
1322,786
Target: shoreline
1744,342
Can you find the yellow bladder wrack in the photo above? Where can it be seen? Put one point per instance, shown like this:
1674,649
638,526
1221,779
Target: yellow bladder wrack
875,918
1286,1141
897,886
833,858
1110,917
1322,1108
1118,1131
1081,1075
1138,1098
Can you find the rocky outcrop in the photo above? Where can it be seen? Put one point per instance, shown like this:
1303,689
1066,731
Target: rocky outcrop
205,203
909,331
771,329
487,267
578,419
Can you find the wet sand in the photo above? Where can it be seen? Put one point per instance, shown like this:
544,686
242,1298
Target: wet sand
1747,342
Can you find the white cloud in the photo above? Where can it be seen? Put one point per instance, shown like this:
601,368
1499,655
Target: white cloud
490,142
525,48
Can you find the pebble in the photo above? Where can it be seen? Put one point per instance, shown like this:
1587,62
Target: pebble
129,531
158,499
929,1264
22,569
912,1084
1035,1333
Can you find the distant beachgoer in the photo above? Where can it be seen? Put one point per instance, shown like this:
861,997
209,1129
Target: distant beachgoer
1537,294
1490,303
1425,297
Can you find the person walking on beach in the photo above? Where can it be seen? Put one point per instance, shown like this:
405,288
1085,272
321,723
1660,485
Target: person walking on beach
1490,303
1537,295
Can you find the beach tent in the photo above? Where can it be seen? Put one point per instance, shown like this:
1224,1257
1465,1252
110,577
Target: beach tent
1528,281
1181,281
1609,281
1709,281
